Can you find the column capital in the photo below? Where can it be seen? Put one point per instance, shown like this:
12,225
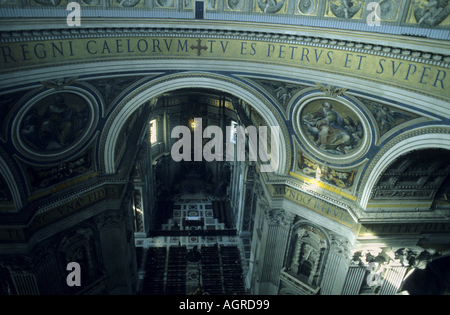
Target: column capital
109,219
279,217
415,257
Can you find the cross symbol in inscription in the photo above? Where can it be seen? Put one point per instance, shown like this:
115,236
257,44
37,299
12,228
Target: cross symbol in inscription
198,47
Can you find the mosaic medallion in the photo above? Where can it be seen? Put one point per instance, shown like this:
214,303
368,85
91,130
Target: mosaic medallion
54,124
333,129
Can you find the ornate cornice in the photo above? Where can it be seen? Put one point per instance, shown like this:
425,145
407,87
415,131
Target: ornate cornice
363,45
76,194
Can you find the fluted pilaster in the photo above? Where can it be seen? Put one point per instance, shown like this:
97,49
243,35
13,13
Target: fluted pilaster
354,280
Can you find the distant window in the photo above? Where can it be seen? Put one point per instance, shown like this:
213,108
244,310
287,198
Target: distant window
152,131
199,7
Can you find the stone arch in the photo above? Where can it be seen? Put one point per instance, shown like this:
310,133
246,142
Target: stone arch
419,139
190,80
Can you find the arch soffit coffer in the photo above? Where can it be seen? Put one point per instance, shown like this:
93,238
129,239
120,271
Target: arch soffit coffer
436,137
190,80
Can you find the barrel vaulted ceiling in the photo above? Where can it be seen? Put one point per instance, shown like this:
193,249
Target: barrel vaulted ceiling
386,93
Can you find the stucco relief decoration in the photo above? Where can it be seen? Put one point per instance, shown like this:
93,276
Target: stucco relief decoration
331,127
58,84
306,6
386,116
415,258
340,246
46,2
270,6
283,92
110,88
345,8
91,2
342,179
54,123
45,177
363,257
331,90
431,12
127,3
387,9
189,4
280,217
235,4
164,3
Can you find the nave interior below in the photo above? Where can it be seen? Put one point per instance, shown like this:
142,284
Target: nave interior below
196,251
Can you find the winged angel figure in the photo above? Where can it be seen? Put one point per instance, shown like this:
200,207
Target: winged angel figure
331,90
58,84
270,6
110,88
386,117
347,9
283,91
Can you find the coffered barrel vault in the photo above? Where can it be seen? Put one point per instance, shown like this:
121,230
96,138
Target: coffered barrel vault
361,175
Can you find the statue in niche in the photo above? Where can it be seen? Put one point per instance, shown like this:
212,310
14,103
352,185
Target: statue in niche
305,255
347,9
270,6
79,246
432,12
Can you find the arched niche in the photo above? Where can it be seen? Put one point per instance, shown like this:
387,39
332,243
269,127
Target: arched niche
307,251
80,245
